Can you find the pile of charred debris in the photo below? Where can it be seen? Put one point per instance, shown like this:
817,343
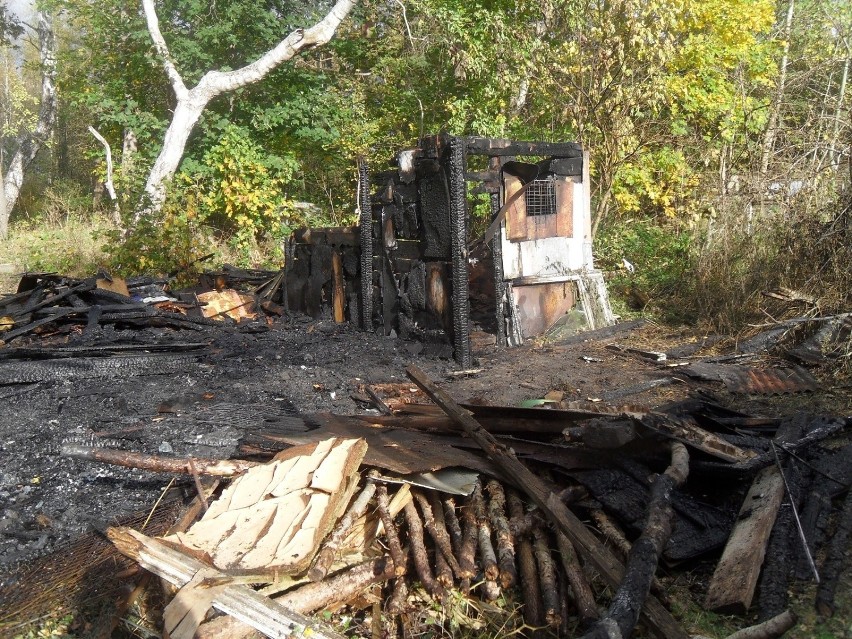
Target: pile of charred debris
561,517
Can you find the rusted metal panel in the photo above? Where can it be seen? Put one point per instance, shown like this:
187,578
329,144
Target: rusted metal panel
540,305
748,380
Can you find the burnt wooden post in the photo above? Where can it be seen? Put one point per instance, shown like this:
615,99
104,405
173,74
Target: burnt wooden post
366,228
458,247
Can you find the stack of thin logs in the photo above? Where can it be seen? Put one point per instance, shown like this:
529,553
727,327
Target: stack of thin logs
485,544
481,545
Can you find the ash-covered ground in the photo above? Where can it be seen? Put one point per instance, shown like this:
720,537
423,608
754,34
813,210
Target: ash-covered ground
197,393
199,401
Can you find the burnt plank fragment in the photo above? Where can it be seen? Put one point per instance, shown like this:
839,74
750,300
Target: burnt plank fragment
734,581
698,527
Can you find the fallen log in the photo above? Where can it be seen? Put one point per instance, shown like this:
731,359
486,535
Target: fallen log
308,598
530,588
769,629
158,463
658,618
623,612
328,553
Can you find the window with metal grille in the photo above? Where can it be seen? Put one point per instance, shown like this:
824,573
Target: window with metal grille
540,197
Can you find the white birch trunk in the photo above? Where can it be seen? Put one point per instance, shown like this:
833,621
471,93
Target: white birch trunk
192,102
775,109
30,143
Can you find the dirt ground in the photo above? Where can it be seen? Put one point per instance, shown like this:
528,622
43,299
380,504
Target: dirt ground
202,401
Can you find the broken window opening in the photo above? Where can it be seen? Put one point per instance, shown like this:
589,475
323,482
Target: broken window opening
540,197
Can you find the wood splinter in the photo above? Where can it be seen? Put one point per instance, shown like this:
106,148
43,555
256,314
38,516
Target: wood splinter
325,557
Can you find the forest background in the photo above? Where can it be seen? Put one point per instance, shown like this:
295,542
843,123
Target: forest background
719,132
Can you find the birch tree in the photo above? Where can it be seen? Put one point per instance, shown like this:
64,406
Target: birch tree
191,102
30,142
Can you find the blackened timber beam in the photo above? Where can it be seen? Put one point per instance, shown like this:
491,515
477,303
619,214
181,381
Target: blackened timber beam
659,619
499,281
366,229
499,147
458,248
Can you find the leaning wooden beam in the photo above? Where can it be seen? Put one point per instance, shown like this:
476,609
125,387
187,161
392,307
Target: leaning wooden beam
659,619
158,463
623,612
239,601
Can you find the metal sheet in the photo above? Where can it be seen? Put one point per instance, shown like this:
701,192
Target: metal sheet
540,305
743,379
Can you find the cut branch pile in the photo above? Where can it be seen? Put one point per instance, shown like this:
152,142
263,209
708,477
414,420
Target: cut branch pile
48,304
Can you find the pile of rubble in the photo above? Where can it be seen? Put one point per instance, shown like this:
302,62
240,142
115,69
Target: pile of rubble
573,510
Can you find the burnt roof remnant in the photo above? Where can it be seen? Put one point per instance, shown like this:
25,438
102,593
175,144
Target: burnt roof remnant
413,267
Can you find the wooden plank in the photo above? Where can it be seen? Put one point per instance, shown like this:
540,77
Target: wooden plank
339,298
501,147
656,616
516,214
732,585
565,205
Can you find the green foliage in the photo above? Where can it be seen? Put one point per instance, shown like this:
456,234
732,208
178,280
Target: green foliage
67,236
663,258
242,189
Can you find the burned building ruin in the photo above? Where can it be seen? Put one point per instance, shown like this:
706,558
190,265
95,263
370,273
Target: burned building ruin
418,265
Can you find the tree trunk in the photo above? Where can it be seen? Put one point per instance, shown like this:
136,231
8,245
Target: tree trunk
30,143
191,102
834,152
775,109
